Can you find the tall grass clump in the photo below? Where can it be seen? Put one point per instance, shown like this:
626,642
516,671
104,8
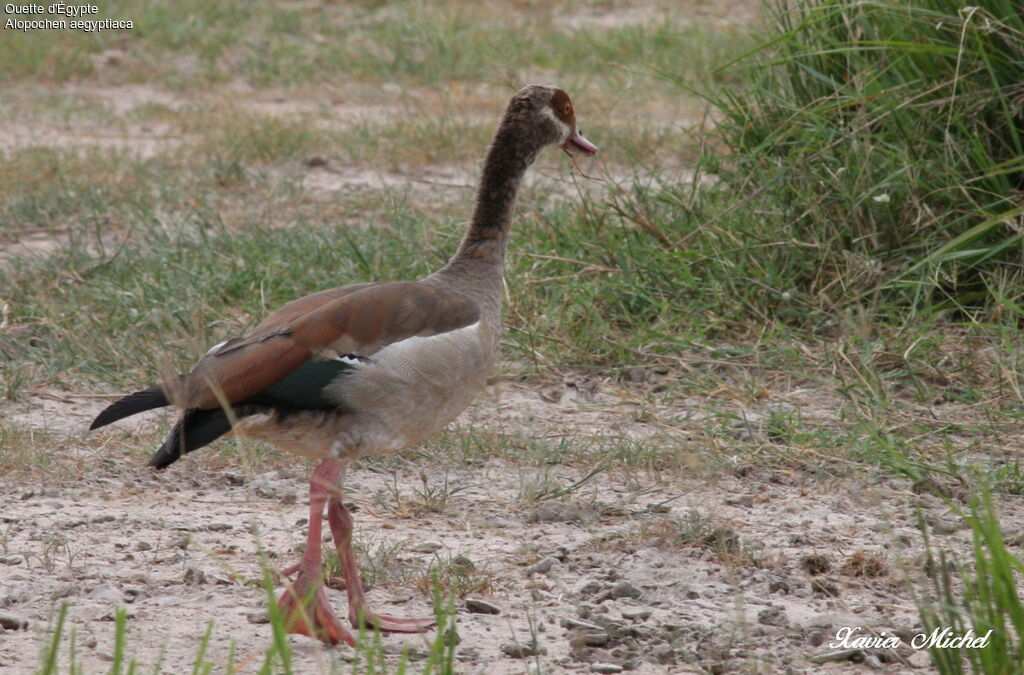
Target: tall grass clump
982,597
878,146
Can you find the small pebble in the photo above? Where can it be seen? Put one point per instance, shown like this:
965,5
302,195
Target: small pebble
636,375
13,621
542,566
427,547
745,501
636,614
476,606
112,614
194,576
267,486
560,512
772,616
64,591
837,656
133,594
580,625
946,526
605,668
259,616
559,554
624,589
517,651
107,594
143,546
663,653
597,639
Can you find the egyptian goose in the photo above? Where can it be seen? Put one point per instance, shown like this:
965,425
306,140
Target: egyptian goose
365,369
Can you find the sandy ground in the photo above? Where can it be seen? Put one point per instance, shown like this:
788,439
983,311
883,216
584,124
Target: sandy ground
609,575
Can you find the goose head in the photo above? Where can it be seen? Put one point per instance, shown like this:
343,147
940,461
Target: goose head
549,113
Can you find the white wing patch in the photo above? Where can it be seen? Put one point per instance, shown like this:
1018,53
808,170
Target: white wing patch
419,382
214,348
435,347
439,361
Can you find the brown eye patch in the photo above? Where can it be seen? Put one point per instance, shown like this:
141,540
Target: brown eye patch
562,106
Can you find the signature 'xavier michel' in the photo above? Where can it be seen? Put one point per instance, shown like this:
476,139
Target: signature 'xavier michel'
366,369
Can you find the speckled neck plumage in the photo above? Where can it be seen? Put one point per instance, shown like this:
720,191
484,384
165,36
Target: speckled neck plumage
512,151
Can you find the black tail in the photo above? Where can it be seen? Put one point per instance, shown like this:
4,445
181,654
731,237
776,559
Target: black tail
147,399
195,429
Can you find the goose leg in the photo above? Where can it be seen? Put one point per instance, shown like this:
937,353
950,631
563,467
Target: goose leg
341,528
304,603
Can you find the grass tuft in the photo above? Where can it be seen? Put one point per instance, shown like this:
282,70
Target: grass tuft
879,149
981,596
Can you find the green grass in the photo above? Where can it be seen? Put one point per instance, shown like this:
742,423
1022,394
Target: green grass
195,44
881,145
159,256
981,595
181,286
60,651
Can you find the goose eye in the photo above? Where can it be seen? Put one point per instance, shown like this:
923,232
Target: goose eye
567,110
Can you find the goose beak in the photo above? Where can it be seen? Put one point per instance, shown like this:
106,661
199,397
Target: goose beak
578,145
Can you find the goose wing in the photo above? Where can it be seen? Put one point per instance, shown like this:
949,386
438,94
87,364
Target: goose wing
333,326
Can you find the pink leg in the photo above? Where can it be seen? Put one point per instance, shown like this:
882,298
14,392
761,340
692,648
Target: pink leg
304,603
341,528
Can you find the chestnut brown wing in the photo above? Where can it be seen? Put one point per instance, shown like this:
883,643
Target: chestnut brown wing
360,321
